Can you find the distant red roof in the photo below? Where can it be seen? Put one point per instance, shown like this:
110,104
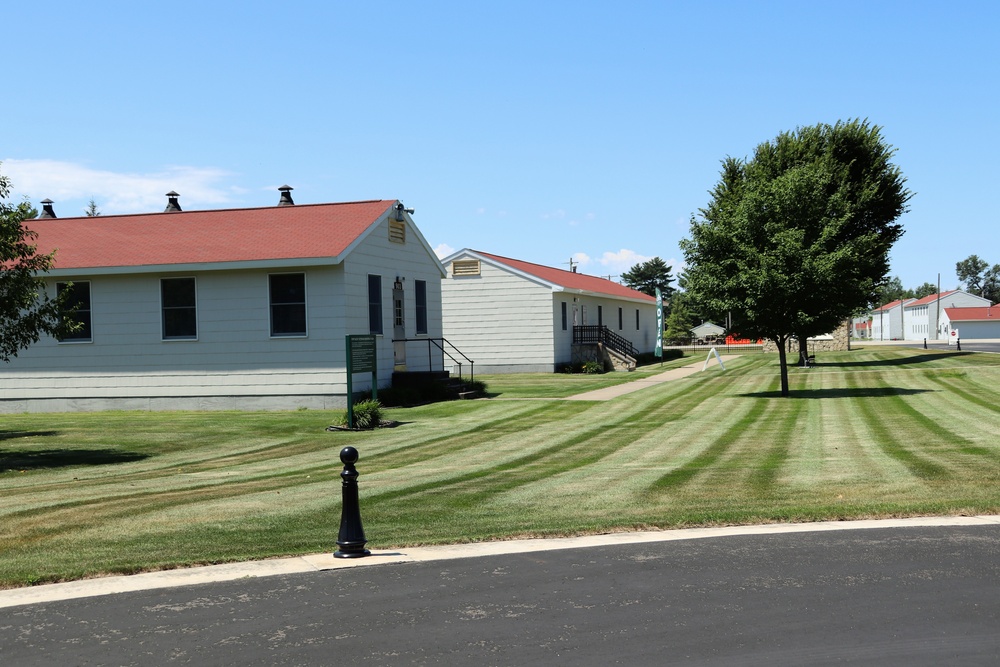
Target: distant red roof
973,313
206,237
571,279
931,298
893,304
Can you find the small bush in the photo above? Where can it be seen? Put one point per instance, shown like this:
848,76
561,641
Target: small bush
367,415
593,367
477,386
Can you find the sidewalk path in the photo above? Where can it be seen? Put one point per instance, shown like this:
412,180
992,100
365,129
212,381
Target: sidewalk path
627,388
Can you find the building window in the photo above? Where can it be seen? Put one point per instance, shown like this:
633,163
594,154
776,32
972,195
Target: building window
78,310
564,316
600,316
620,327
178,302
420,287
288,304
374,304
636,319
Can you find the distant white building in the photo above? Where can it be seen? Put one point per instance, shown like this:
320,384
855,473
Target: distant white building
924,318
707,330
971,323
887,321
511,316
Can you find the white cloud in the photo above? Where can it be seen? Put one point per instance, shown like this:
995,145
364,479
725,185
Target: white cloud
443,250
623,260
558,214
117,192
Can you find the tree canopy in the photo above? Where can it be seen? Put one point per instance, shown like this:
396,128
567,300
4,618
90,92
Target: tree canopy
26,309
646,276
979,277
797,238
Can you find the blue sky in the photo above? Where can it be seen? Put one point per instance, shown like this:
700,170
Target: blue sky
537,130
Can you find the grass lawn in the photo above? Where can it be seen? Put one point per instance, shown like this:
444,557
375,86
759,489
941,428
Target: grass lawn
869,433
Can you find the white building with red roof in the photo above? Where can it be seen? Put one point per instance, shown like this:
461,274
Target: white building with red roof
982,322
220,309
924,318
887,321
513,316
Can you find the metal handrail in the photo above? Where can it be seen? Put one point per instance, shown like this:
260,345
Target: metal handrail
601,334
444,352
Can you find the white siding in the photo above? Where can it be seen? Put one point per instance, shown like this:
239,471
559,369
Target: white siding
507,323
409,262
642,338
502,321
233,355
234,362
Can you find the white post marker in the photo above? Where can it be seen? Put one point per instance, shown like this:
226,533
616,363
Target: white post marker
709,358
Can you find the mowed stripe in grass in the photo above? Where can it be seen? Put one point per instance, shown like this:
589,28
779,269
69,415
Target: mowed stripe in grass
865,433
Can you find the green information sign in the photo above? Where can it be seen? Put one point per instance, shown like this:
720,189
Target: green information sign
362,354
362,357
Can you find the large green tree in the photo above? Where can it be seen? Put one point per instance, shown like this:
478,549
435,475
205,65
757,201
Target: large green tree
678,325
646,276
979,277
26,309
797,238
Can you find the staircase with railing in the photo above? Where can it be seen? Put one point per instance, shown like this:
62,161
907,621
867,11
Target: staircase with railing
602,336
438,350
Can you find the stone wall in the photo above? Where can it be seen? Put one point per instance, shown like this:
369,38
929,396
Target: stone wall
838,341
611,360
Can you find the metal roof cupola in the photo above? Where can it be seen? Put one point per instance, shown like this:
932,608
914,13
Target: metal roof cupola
286,196
47,210
172,205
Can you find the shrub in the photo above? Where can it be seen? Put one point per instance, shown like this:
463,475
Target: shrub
593,367
367,415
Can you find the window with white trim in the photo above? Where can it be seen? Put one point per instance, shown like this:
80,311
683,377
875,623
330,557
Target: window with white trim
77,304
179,307
287,295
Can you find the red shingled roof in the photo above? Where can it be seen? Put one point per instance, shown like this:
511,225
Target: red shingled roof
570,279
206,237
930,298
973,313
893,304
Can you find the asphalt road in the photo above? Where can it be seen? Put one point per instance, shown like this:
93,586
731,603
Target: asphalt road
896,596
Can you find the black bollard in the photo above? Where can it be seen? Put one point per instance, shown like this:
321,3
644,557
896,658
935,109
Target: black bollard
959,342
351,538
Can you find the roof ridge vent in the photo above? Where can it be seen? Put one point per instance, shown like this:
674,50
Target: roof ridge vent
172,205
286,196
47,210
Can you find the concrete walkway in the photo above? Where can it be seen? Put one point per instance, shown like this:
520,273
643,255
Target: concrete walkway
608,393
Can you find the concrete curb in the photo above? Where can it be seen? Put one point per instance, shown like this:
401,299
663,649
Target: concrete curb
321,562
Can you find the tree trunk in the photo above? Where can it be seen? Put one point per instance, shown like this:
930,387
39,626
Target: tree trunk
803,351
780,341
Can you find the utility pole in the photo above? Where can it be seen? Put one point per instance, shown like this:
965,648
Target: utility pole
937,310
